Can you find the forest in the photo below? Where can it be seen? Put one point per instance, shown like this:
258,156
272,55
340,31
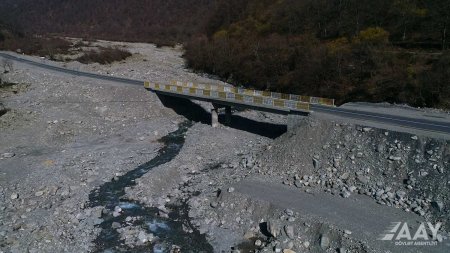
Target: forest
393,51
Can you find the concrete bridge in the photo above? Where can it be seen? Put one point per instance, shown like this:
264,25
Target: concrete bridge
222,96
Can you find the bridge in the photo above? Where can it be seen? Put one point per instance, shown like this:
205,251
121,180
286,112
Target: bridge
222,96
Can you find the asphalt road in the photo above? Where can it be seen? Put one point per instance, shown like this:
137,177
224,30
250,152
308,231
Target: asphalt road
389,119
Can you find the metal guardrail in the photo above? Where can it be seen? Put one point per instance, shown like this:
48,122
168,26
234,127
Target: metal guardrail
251,92
230,94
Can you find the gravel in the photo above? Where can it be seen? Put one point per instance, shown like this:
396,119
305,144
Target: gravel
64,137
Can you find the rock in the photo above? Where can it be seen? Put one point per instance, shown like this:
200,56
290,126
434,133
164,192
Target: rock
14,196
306,244
438,205
115,225
423,173
362,179
345,194
142,138
273,228
347,232
324,242
97,221
8,155
39,193
117,211
367,129
289,212
380,148
400,194
316,163
288,251
395,158
231,189
214,204
144,237
344,176
289,231
341,250
414,137
258,243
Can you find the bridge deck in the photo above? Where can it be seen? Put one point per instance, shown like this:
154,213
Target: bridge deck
244,98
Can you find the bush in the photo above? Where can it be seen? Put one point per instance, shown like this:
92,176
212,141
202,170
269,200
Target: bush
104,56
372,36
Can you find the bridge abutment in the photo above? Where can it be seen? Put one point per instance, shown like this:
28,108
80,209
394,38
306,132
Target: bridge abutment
295,120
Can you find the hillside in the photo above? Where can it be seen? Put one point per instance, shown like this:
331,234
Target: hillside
382,51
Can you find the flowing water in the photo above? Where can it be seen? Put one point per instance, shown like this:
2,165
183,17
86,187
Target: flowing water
169,230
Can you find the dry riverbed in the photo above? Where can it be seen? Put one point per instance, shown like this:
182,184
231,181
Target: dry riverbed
88,165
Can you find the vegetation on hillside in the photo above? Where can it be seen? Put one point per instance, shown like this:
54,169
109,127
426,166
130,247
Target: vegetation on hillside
352,50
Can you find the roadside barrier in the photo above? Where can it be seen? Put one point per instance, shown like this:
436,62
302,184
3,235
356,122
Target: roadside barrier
251,92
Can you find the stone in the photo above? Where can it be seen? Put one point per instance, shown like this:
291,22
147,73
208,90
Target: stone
395,158
231,189
362,179
341,250
438,205
214,204
289,231
8,155
324,242
273,228
258,243
144,237
289,212
344,176
288,251
367,129
115,225
414,137
38,193
400,194
306,244
97,221
345,194
316,163
347,232
380,148
14,196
